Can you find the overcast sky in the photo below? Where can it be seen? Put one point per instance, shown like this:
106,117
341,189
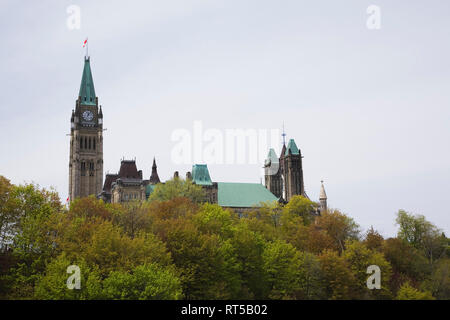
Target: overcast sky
369,109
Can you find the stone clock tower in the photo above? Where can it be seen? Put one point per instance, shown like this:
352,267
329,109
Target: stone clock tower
86,141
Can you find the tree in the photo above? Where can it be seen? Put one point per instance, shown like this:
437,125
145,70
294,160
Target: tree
373,240
407,292
208,265
359,258
212,219
338,278
281,265
439,282
408,263
421,234
145,282
302,207
178,188
52,285
9,217
32,244
133,218
339,227
249,248
310,277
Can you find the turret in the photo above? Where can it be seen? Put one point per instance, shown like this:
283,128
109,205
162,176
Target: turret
322,198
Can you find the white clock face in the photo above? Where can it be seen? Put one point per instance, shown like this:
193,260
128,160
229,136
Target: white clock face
88,115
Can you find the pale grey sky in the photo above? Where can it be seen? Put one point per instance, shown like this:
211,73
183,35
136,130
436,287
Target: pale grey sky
369,109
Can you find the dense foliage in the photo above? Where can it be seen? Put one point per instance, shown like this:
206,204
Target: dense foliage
174,246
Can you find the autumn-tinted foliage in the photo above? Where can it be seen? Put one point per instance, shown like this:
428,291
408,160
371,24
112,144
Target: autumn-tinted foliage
174,246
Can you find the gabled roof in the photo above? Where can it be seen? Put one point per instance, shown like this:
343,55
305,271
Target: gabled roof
87,91
200,175
243,195
292,147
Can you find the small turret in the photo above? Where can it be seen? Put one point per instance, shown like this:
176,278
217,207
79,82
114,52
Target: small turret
154,178
100,116
322,198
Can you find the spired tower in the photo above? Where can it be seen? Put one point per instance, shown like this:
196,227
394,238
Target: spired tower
284,175
86,141
292,171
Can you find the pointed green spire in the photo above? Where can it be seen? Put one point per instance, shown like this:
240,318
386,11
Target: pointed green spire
292,147
87,91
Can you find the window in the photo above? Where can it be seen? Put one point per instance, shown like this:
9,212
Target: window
83,169
93,141
81,143
91,169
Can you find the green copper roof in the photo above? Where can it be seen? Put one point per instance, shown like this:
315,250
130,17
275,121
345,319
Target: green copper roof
149,189
243,195
291,146
271,157
87,91
200,175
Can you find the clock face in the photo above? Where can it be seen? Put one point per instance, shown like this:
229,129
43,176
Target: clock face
88,115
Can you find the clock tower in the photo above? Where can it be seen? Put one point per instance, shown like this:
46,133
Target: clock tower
86,141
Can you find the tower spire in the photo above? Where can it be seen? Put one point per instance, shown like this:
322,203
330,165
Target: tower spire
154,178
87,90
284,135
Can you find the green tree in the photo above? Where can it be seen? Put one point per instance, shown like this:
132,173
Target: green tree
281,265
310,277
145,282
339,227
212,219
178,188
360,258
249,247
134,218
421,234
339,281
373,240
439,282
31,243
208,264
407,292
9,217
52,285
302,207
408,263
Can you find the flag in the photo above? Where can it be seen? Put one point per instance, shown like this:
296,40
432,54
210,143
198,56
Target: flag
67,199
85,42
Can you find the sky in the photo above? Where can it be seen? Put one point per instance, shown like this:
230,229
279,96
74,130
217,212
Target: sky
368,108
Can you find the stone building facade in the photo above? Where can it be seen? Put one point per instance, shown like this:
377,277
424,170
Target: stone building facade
128,184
